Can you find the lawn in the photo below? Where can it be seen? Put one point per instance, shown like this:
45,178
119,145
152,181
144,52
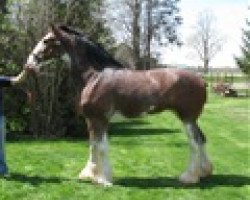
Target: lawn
147,155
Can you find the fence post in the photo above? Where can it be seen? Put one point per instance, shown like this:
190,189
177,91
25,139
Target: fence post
4,81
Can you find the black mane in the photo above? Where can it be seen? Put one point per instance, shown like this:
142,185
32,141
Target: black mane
95,52
70,30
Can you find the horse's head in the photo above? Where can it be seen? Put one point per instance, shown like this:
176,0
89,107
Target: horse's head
72,46
52,45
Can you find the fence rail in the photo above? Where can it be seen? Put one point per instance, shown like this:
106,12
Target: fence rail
211,70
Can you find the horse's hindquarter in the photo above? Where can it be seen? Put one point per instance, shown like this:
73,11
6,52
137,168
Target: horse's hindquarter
190,95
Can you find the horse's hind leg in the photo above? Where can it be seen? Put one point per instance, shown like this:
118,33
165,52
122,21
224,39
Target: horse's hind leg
98,167
199,165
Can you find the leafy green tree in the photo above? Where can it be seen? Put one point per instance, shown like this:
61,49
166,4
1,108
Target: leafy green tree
160,25
3,8
48,115
52,111
10,48
244,61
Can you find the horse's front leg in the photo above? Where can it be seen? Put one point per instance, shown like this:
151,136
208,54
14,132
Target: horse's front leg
98,168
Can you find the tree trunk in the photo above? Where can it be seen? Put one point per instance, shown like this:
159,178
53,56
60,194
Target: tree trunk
206,56
206,66
149,34
136,34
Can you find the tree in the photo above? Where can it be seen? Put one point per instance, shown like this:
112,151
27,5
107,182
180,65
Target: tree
136,11
244,61
52,112
125,23
58,91
206,40
161,22
3,8
124,54
144,22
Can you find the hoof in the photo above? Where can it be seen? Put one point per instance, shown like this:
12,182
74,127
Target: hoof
83,177
189,178
86,174
206,170
102,181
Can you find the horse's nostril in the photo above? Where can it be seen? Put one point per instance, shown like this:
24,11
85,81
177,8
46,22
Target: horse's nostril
37,57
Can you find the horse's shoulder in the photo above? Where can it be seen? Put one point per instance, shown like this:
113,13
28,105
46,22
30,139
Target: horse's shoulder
90,88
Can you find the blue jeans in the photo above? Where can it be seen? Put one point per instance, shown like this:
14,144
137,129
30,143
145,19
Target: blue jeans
3,166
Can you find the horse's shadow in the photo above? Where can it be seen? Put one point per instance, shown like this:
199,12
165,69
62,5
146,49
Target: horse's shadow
133,128
35,180
141,182
170,182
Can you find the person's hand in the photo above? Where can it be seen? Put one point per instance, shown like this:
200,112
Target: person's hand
22,76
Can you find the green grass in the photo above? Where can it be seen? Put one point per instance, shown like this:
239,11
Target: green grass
147,155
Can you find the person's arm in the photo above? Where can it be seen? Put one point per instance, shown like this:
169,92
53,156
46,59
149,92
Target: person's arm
5,81
19,78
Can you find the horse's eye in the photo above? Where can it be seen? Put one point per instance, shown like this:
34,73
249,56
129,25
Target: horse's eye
37,57
45,41
49,40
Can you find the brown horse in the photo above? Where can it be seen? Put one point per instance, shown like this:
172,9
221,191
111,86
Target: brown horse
105,87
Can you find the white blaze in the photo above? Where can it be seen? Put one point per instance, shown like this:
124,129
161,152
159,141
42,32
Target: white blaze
39,48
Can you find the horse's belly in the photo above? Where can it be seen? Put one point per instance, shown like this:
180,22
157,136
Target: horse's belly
133,107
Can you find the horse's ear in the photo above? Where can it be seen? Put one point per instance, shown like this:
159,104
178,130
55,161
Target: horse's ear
51,27
60,34
56,30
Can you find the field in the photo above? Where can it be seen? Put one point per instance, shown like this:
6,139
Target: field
147,155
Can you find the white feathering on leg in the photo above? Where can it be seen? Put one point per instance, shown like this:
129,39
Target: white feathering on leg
192,174
103,167
90,169
98,167
206,165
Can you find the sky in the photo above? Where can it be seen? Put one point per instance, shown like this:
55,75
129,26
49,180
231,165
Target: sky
230,19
